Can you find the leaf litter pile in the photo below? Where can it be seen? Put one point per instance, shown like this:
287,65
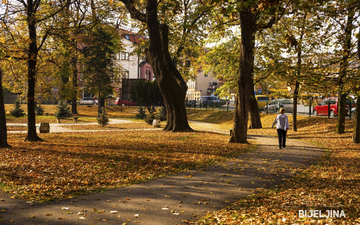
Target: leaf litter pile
332,184
69,164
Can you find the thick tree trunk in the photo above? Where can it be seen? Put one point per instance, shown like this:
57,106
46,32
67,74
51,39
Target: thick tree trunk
340,127
255,120
245,84
171,84
33,52
356,132
3,129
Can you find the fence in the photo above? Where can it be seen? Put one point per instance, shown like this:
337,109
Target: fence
205,105
301,109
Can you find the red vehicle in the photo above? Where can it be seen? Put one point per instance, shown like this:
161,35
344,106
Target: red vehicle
119,101
322,108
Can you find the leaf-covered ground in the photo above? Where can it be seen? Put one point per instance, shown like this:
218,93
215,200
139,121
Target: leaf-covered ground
332,184
68,164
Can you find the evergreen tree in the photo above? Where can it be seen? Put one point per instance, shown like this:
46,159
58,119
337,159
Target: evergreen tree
39,110
141,114
63,110
161,115
17,111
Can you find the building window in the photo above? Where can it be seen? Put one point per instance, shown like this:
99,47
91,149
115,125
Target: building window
147,75
124,56
205,74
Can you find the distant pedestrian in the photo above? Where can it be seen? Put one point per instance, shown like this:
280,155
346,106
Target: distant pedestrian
282,125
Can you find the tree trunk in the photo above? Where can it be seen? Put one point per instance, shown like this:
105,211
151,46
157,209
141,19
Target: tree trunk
340,127
3,129
171,84
245,84
74,91
101,103
255,120
356,132
33,52
295,98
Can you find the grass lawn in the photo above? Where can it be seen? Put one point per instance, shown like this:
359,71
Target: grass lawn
69,164
83,112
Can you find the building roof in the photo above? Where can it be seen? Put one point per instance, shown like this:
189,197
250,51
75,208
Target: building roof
131,36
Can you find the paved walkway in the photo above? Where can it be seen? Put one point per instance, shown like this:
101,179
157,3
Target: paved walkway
177,199
62,127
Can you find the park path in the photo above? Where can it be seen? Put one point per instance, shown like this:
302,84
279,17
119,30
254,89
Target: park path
62,127
177,199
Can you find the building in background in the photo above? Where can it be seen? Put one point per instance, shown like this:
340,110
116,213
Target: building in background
134,68
205,84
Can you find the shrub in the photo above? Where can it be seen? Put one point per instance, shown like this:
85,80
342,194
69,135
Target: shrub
161,115
39,110
103,119
149,118
141,114
17,111
63,110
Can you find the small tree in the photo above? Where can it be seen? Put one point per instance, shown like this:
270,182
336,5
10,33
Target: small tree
141,114
17,111
63,110
103,118
149,118
161,115
39,110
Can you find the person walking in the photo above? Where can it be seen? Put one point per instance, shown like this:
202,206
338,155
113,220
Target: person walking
282,125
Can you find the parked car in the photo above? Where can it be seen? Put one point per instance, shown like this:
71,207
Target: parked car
190,103
275,105
262,100
119,101
88,101
210,101
322,108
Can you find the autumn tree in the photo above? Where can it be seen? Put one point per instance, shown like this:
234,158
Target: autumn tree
356,130
3,128
291,48
223,61
346,40
35,15
252,16
172,27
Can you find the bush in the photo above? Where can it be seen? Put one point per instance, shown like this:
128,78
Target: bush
39,110
149,118
103,119
17,111
141,114
63,110
161,115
